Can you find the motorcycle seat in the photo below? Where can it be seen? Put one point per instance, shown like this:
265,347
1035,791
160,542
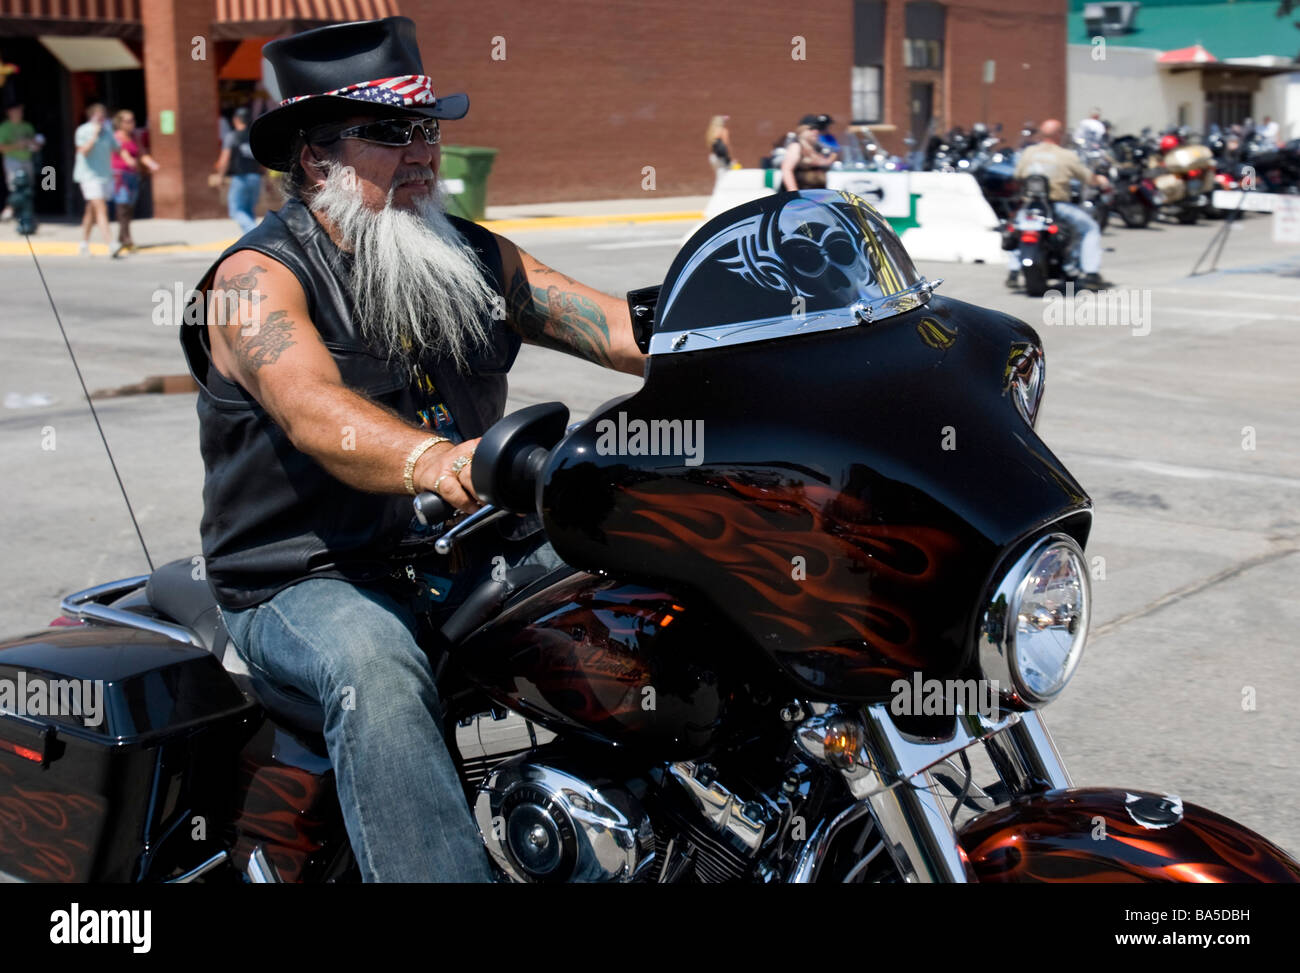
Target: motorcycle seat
174,592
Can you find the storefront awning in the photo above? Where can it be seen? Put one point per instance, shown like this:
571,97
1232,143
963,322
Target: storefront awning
1196,54
91,53
246,63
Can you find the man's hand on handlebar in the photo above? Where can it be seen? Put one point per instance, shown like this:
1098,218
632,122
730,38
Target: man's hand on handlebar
445,469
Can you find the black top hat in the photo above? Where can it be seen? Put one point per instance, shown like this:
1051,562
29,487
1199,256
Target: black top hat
369,67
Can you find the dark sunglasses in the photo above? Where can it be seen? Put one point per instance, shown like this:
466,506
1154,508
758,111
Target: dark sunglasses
391,131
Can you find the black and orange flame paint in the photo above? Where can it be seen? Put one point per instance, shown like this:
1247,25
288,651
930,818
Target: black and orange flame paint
287,803
47,835
1099,835
854,492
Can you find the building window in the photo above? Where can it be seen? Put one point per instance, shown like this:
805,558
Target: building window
868,60
1223,108
866,95
923,35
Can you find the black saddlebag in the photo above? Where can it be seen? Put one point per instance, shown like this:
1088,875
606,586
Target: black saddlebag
117,755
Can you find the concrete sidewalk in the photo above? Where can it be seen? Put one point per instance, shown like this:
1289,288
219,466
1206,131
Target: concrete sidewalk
177,236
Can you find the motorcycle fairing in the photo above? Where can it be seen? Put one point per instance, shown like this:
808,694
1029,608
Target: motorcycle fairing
1111,835
855,489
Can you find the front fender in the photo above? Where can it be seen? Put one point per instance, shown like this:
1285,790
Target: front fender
1105,835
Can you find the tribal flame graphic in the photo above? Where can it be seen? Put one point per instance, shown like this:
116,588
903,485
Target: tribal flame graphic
865,582
42,832
1053,839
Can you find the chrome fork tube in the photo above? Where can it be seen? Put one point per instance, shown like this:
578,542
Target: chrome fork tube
1026,757
916,829
891,778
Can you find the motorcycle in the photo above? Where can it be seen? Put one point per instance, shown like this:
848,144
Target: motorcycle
729,676
1094,200
1188,179
1135,198
1042,245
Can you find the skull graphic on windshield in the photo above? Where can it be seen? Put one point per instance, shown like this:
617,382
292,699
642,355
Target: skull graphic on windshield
809,248
823,257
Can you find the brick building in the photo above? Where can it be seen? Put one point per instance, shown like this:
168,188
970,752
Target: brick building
578,96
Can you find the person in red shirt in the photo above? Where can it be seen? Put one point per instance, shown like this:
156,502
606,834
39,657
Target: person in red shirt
128,159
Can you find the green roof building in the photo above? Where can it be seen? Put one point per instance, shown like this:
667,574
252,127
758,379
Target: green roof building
1167,62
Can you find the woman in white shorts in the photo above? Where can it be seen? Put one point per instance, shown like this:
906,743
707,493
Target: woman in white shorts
93,172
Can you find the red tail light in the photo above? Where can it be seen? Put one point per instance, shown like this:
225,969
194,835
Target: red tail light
1053,228
26,741
1029,236
1194,173
35,756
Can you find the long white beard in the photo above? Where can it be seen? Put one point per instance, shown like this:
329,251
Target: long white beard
416,284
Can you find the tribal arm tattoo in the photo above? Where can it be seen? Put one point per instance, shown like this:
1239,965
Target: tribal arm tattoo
550,309
553,313
259,341
264,344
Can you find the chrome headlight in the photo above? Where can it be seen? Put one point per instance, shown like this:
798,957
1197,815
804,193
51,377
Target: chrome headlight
1035,625
1025,379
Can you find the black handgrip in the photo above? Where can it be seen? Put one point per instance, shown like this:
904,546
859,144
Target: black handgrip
431,508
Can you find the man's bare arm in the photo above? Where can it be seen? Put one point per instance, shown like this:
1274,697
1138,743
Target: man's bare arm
553,310
793,152
263,339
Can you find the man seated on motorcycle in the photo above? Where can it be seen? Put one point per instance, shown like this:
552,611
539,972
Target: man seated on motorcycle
354,350
1048,157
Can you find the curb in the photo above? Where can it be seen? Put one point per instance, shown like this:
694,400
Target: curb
60,248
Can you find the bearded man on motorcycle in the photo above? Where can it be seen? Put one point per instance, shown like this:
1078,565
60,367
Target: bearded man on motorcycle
352,349
1048,157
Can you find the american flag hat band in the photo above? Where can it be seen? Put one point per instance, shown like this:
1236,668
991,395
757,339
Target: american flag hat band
404,91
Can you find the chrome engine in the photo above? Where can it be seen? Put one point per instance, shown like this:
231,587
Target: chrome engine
547,814
546,823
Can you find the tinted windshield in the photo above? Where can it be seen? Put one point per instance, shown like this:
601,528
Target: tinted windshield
787,255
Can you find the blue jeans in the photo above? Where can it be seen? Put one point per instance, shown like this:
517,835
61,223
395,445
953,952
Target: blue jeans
241,200
1086,250
354,649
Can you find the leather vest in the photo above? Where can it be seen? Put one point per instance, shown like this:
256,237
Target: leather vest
272,515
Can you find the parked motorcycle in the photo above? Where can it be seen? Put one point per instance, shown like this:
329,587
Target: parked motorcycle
1187,180
1094,200
1136,199
718,683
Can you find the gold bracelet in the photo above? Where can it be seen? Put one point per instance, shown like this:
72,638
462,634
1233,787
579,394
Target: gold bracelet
413,457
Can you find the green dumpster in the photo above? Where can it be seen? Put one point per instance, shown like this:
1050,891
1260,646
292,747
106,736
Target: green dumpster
464,172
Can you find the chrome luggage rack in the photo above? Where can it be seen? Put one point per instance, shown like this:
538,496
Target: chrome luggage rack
92,605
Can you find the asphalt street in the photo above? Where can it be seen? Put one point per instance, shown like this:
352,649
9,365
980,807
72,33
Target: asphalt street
1185,436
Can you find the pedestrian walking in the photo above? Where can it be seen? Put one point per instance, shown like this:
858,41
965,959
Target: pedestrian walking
719,142
18,143
93,172
245,174
128,159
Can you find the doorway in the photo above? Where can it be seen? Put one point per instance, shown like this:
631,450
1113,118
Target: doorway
921,100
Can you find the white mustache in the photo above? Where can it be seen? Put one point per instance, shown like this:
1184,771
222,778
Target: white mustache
412,174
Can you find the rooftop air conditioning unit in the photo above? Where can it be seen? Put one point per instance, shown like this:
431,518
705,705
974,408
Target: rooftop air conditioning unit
1111,19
